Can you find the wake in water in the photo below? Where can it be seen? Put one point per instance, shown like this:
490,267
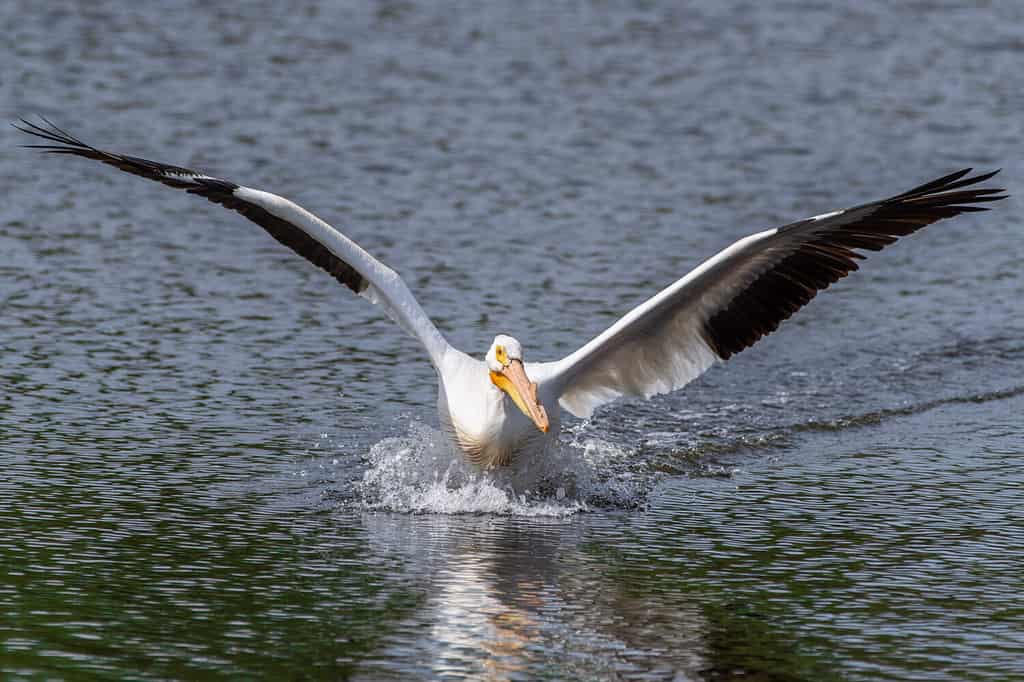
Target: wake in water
422,472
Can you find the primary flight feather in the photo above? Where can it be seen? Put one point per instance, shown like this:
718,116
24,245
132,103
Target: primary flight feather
494,408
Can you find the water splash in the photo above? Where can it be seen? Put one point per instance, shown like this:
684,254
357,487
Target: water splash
421,472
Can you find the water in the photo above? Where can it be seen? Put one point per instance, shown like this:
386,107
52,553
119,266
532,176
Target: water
217,463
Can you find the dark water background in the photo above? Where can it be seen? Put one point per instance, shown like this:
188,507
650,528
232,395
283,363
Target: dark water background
210,452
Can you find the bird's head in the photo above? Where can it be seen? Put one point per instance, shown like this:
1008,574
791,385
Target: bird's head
505,364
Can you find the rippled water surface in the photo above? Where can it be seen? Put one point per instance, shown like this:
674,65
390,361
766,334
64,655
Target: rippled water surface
217,463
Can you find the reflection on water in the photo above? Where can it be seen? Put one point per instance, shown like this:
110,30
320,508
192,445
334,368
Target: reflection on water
512,596
216,463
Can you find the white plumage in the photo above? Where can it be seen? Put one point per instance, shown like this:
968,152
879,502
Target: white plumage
494,408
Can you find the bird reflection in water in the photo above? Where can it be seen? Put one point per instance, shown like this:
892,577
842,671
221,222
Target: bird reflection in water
503,590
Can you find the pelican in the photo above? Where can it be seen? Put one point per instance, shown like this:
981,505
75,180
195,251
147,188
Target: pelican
502,405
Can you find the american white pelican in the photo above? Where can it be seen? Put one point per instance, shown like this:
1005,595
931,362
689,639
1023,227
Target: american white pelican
499,406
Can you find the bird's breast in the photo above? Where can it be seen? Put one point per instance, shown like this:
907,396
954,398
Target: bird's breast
490,430
484,423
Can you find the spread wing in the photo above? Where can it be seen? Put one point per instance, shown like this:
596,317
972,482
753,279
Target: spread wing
744,292
289,223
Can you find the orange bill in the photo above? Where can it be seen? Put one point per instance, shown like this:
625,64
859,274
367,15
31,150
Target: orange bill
513,380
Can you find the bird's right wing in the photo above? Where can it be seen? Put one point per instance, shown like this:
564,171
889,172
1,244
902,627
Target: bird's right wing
289,223
744,292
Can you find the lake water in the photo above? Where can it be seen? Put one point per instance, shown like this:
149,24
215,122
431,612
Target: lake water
219,464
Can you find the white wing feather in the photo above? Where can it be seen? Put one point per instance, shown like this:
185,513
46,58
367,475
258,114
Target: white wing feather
742,293
386,288
657,347
289,223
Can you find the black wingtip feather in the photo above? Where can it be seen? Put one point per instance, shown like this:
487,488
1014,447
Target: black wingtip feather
934,185
825,253
214,189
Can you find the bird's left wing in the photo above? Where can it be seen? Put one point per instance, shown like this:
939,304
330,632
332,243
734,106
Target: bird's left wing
288,223
733,299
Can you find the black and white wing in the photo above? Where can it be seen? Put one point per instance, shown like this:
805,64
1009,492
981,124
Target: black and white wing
733,299
290,224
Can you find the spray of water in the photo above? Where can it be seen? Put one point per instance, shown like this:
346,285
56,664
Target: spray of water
421,472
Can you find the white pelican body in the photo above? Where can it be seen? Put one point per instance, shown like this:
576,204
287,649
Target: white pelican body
482,419
499,406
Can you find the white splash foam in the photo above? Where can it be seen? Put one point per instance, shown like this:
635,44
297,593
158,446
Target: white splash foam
421,472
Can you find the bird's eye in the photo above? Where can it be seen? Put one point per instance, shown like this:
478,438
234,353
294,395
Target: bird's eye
499,353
